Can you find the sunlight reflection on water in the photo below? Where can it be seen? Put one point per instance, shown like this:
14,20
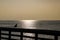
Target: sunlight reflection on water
29,24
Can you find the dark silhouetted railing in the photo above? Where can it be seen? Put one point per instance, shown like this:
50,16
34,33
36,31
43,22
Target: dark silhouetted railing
21,31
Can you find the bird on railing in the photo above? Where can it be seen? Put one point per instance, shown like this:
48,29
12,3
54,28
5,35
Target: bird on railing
15,25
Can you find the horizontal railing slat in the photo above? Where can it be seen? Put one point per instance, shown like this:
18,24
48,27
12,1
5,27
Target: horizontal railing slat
29,37
11,34
37,38
47,32
23,36
4,38
7,38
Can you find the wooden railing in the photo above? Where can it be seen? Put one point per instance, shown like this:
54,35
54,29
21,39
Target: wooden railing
35,31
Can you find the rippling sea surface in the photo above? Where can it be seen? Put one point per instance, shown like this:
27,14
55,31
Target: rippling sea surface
34,24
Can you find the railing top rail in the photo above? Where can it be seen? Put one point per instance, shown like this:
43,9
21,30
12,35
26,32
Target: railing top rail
38,31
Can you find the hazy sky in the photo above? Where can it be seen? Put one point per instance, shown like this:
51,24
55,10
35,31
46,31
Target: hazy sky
29,9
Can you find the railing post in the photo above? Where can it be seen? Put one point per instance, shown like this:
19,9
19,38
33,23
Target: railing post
21,38
36,36
9,35
55,37
0,34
